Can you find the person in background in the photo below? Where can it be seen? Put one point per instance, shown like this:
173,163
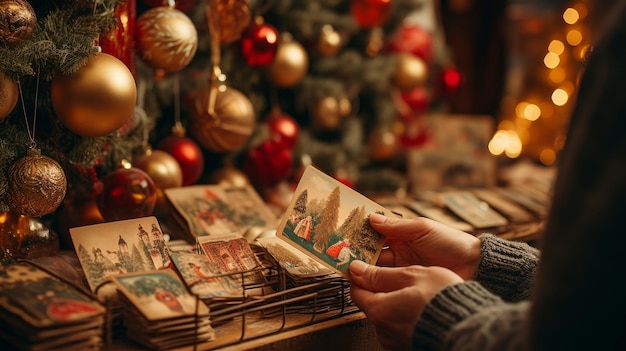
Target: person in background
455,291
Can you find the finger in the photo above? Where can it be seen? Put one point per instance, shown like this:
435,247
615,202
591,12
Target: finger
387,258
379,279
404,229
364,299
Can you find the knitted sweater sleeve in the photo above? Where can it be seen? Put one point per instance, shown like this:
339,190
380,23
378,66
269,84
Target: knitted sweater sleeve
477,315
507,268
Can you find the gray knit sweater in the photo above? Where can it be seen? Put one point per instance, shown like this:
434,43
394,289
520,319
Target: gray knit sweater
467,316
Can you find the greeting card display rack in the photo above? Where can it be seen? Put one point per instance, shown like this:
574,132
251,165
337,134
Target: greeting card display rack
277,305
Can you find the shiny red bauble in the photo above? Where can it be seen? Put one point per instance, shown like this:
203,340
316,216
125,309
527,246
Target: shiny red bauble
126,193
412,39
284,130
187,153
416,99
451,78
258,44
268,163
370,13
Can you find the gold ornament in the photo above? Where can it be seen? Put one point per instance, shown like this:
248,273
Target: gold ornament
229,176
345,106
97,99
222,119
234,16
290,63
164,170
36,185
9,94
326,113
410,73
25,237
329,42
166,38
162,167
383,143
17,21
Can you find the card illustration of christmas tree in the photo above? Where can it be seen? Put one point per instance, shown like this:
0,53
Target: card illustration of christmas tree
329,222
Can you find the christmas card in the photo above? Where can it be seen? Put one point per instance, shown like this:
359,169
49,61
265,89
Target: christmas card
214,210
329,222
112,248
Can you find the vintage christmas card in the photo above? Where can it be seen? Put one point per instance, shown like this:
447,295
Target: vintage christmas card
329,222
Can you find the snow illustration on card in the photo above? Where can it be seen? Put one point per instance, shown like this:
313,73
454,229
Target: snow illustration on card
329,222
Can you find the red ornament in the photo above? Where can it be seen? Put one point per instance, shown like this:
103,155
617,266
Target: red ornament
259,43
268,164
417,99
451,80
283,130
415,134
187,153
182,5
120,41
125,194
370,13
413,39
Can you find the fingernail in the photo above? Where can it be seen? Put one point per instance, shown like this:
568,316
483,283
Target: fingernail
358,267
377,218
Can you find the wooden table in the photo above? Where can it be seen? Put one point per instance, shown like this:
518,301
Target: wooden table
348,332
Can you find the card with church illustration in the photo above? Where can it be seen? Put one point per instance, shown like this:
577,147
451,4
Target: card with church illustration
231,253
108,249
329,222
216,209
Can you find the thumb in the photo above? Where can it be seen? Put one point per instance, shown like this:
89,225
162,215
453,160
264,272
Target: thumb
377,279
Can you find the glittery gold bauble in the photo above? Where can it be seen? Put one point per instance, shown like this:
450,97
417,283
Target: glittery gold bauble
225,127
383,143
234,16
329,41
25,237
97,99
410,73
166,38
36,185
229,176
326,113
17,21
9,94
290,64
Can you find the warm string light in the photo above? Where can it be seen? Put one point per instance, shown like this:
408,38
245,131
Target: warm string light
531,118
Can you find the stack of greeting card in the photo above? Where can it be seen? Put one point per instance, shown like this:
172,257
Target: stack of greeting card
112,254
160,313
38,311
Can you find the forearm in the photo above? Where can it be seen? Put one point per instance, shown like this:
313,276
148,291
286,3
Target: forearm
507,268
466,317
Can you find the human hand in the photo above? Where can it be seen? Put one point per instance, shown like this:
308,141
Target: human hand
393,298
426,242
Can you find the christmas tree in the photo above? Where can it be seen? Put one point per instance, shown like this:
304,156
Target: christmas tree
107,103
